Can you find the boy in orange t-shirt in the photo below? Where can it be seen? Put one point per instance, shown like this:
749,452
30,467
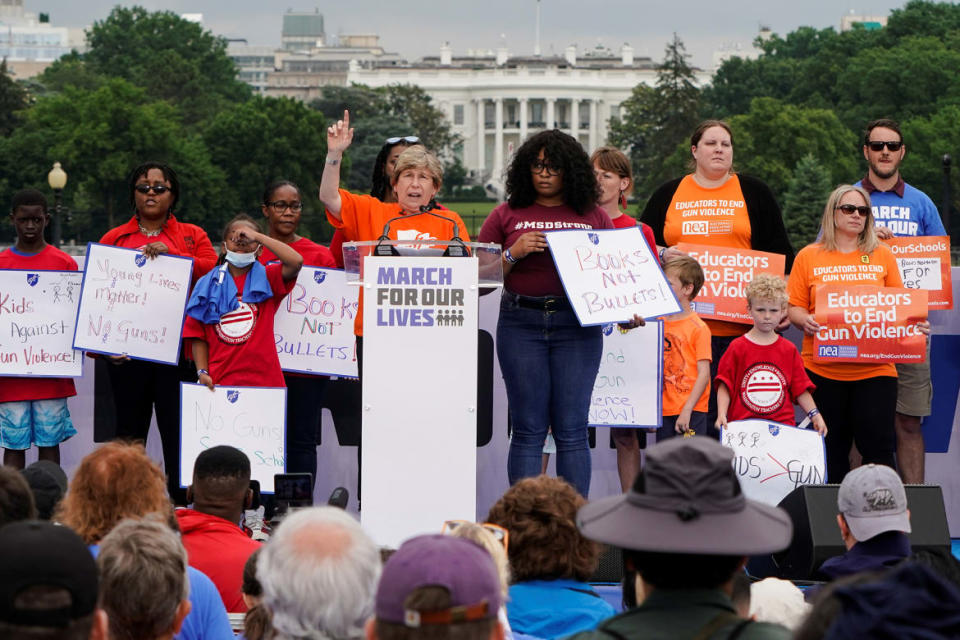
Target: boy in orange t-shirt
686,355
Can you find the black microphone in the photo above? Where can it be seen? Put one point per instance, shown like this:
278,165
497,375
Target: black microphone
339,498
454,250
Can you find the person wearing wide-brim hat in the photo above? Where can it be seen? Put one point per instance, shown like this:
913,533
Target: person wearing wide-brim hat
686,528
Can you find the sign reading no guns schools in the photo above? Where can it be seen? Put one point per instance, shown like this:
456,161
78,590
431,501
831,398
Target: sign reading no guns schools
924,263
132,305
610,275
37,314
868,323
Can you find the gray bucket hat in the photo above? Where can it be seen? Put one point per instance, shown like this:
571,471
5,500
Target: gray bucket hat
687,499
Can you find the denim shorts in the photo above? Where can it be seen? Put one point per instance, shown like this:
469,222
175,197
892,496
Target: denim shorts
45,423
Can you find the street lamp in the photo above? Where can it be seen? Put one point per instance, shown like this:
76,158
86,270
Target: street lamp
57,179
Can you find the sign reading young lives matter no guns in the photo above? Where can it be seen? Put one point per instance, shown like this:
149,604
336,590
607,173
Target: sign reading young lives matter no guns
865,322
924,263
726,274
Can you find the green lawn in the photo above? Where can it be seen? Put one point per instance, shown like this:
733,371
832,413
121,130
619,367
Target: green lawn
473,213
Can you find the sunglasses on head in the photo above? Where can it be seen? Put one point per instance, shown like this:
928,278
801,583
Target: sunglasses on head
877,145
498,532
156,188
851,209
410,139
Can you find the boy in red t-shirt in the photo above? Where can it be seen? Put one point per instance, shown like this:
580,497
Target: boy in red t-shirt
761,374
33,411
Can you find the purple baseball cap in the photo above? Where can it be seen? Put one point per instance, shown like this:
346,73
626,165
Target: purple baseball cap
458,565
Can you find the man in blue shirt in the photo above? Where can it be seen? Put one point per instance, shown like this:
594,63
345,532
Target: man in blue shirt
901,210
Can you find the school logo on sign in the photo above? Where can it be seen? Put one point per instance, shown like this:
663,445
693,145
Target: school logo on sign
140,260
33,279
763,388
594,238
233,396
319,276
236,327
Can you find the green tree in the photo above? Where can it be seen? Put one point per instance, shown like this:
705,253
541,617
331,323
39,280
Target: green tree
414,105
807,191
13,98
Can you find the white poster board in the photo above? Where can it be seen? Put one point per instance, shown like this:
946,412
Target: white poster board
610,275
419,465
251,419
132,305
628,389
314,324
38,311
772,459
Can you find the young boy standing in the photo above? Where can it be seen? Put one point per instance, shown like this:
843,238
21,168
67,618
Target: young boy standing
761,375
686,355
34,410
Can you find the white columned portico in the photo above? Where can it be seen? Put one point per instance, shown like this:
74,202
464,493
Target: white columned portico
523,119
551,121
575,118
593,126
481,136
497,163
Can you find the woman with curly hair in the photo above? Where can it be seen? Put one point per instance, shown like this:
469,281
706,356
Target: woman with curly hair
549,559
549,362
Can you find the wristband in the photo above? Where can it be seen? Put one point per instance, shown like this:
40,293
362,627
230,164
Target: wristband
202,372
662,251
813,412
332,161
508,256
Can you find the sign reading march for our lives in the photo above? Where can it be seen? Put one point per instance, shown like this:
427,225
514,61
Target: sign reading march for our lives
313,327
627,391
726,274
38,310
772,459
863,323
132,305
251,419
610,275
924,263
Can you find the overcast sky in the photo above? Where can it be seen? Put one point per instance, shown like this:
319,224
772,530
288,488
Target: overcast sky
414,28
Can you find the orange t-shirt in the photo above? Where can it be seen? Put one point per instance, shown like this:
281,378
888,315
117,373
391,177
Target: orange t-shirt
716,217
363,218
815,266
685,341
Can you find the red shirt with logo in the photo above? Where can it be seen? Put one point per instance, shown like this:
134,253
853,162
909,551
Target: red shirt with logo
243,352
764,379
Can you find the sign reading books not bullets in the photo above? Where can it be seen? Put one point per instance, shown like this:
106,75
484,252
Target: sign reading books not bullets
313,327
862,323
924,263
726,274
38,310
132,305
610,275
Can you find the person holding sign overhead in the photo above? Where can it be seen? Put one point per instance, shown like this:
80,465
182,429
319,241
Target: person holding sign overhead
549,362
139,387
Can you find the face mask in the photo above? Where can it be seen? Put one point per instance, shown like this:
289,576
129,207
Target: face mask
241,260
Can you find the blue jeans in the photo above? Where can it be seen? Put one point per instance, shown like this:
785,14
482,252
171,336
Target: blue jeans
549,365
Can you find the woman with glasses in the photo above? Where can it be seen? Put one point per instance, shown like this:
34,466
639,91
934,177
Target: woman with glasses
549,362
140,387
857,399
282,206
716,206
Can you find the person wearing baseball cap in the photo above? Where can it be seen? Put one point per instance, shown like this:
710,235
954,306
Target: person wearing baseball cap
437,587
874,522
49,585
686,528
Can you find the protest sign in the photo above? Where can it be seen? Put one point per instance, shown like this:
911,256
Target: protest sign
772,459
38,310
627,391
313,327
252,419
610,275
924,263
132,305
865,322
726,274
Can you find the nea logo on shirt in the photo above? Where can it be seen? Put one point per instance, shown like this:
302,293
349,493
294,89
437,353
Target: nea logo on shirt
236,327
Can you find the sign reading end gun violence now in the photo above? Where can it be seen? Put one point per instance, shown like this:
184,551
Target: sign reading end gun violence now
924,263
868,323
132,305
726,274
610,275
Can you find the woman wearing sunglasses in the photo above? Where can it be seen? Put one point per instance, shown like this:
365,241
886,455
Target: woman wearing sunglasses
140,387
857,399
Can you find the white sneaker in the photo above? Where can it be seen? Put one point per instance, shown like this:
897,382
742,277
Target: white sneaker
254,524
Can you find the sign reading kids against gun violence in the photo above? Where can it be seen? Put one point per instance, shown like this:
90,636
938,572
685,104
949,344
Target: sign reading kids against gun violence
864,322
610,275
726,274
132,305
38,310
924,263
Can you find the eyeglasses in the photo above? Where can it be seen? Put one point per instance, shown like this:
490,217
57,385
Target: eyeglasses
877,145
851,209
410,139
282,206
498,532
156,188
540,167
